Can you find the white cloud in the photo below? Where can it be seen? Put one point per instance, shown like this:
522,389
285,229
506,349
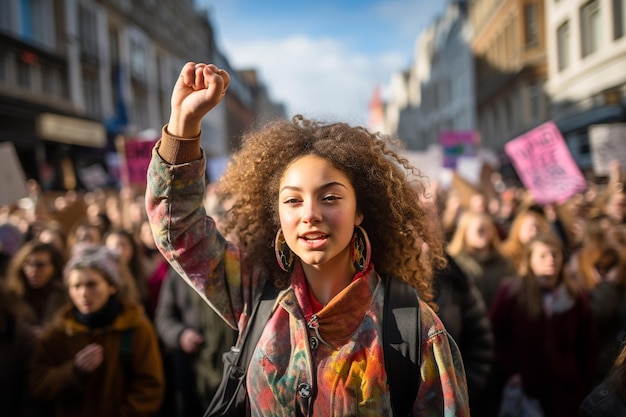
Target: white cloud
320,78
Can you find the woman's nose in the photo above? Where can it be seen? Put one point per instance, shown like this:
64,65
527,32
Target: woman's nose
310,212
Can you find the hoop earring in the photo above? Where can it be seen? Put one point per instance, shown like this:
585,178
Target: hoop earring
360,249
284,255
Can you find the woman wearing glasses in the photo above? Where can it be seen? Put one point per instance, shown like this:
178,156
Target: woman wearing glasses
35,276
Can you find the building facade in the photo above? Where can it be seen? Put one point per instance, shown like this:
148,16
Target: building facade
509,46
440,84
587,68
77,74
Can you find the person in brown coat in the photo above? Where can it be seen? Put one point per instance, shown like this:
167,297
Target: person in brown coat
100,357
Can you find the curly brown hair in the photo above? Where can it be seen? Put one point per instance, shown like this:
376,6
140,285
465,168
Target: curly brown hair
388,191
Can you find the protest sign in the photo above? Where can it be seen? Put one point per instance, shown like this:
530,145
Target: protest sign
607,143
135,158
12,179
545,165
456,144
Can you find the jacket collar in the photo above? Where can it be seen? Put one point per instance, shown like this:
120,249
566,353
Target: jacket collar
341,317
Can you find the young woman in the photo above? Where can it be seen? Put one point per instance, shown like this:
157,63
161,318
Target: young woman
475,247
544,331
304,197
100,357
126,246
36,277
526,225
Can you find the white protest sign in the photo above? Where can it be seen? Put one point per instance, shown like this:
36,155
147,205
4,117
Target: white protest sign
607,143
12,179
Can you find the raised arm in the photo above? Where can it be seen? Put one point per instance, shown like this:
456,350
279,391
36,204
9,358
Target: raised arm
199,88
184,234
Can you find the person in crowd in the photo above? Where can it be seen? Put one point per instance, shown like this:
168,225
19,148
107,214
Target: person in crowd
613,205
84,232
317,191
100,357
475,247
127,248
11,239
464,314
602,271
608,399
196,339
544,330
525,226
36,276
56,236
17,341
157,266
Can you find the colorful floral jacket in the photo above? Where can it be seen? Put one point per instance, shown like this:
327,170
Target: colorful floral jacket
329,365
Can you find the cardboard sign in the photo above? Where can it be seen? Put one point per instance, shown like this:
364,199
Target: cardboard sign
608,143
12,179
456,144
545,165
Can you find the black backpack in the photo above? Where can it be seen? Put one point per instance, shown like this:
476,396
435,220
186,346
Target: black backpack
401,345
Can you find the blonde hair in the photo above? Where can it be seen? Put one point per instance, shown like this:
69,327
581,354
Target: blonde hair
512,248
458,242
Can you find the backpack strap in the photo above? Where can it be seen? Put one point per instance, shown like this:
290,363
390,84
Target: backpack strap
402,344
257,323
231,397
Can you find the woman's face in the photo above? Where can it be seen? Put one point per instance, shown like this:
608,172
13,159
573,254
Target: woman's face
38,269
120,244
89,290
478,234
88,234
528,229
318,211
545,263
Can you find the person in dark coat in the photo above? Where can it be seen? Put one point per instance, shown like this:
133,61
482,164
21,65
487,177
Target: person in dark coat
463,312
608,399
17,341
195,338
545,332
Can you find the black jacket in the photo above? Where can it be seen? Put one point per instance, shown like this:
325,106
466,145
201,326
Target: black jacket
464,314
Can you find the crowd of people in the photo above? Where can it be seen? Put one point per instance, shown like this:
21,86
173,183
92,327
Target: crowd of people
93,320
104,305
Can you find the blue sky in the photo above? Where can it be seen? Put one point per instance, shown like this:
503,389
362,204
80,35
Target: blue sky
324,58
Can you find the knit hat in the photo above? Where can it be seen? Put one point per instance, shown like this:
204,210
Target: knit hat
11,239
97,257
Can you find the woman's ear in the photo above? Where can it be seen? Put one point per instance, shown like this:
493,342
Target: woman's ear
358,219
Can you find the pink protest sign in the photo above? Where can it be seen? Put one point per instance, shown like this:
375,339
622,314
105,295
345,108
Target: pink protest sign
137,158
545,164
456,143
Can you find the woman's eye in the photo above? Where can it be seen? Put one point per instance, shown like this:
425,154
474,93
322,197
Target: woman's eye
331,198
291,201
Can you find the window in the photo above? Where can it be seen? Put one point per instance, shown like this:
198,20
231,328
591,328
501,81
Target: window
619,18
137,60
590,27
88,32
531,26
6,15
91,87
563,37
36,21
534,93
24,75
